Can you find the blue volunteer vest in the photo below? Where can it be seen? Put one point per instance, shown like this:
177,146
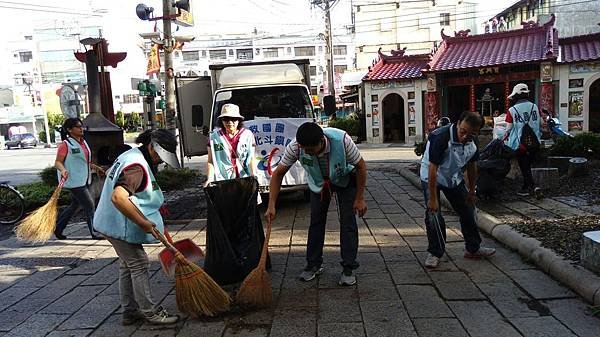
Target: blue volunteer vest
110,222
456,157
521,112
221,154
77,164
339,169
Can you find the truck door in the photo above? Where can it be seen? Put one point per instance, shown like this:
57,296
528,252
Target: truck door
194,104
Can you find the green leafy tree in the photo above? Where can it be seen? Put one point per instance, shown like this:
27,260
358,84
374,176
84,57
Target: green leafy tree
120,118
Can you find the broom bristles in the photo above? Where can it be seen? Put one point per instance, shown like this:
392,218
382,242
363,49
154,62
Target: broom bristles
256,290
196,292
38,226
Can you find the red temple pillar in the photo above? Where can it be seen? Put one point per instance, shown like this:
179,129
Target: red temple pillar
472,97
432,111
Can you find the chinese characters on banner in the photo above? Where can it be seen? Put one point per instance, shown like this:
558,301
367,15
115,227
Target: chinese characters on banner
153,61
272,136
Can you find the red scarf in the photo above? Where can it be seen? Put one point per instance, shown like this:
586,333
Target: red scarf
233,142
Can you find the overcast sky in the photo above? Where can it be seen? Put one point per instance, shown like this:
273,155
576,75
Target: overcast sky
121,25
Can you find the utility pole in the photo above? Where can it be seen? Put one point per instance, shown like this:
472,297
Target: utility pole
168,45
328,41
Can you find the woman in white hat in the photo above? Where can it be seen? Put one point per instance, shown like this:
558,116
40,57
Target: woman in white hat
521,114
231,148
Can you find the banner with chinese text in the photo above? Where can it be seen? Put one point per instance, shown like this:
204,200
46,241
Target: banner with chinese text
153,61
272,135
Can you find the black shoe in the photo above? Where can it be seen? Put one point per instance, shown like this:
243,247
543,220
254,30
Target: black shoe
59,236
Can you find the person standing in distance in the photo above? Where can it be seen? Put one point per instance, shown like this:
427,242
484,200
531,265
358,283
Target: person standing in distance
74,165
333,164
451,149
522,113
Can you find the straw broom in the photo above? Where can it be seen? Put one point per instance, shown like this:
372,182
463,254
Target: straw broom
196,292
38,226
256,290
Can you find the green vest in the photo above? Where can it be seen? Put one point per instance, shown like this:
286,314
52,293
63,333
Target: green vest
339,169
77,164
109,221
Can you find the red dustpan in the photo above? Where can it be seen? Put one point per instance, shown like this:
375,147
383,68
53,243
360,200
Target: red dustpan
187,247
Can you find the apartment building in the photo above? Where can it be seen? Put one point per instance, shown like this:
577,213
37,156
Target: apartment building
414,25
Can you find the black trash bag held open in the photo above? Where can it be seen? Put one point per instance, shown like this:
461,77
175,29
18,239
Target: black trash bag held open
234,232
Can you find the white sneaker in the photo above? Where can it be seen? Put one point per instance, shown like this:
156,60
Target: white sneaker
347,278
432,261
481,252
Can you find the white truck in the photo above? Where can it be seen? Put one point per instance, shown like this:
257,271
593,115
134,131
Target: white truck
273,98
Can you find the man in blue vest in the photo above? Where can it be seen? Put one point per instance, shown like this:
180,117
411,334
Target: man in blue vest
451,149
333,164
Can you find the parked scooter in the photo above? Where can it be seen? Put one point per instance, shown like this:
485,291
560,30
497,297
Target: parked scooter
554,126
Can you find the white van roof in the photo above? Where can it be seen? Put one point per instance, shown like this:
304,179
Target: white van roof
287,73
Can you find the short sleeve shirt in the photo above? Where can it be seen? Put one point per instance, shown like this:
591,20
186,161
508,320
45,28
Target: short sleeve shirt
292,152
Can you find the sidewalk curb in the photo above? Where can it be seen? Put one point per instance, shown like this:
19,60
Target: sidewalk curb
582,281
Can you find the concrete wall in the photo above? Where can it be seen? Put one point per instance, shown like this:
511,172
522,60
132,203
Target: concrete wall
581,76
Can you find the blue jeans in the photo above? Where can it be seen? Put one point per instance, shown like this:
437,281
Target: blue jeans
436,235
348,226
80,196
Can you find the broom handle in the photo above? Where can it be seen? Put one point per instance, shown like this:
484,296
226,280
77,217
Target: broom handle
164,241
265,248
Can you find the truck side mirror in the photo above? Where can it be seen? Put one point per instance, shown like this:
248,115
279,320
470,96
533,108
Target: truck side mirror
328,104
197,115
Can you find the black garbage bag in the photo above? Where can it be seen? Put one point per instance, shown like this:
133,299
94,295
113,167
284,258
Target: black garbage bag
493,166
234,232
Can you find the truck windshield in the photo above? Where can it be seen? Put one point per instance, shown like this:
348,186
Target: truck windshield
267,102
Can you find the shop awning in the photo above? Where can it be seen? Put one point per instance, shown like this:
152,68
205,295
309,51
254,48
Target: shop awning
529,44
397,66
580,48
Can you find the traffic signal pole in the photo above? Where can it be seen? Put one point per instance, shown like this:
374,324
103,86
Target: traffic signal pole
169,113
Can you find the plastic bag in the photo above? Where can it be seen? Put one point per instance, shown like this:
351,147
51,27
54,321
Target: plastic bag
234,232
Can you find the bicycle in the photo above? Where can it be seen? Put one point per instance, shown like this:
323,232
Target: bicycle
12,204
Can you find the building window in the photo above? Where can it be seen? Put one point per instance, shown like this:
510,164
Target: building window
131,99
304,51
444,19
244,54
217,54
25,56
204,53
313,71
230,52
339,69
190,56
339,50
289,50
270,53
206,73
320,49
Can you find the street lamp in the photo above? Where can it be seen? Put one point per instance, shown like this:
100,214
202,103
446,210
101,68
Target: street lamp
168,43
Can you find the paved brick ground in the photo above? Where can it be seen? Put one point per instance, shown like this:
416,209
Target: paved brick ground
69,288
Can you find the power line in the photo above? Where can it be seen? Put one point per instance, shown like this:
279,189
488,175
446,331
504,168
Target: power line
49,11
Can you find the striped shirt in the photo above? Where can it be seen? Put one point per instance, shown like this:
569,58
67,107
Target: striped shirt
292,153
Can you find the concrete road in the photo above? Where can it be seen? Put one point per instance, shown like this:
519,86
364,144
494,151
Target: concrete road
20,166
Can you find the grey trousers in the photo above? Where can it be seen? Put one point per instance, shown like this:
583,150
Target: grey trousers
134,279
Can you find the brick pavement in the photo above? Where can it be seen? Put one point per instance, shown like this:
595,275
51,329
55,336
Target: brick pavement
69,288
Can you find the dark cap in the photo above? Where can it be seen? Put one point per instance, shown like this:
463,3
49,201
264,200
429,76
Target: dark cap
165,144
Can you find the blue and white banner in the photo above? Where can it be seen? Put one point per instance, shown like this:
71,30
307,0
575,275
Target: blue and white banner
272,135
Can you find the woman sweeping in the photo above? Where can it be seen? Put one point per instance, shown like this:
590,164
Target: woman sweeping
231,148
130,181
74,165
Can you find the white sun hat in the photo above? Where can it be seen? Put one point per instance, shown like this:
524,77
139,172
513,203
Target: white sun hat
520,88
230,110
